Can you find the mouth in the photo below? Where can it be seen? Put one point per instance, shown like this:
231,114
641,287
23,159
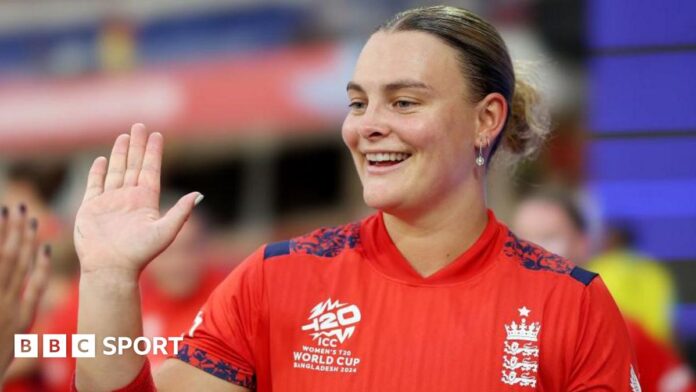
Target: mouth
386,159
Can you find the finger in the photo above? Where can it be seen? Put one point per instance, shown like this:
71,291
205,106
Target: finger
4,221
25,257
36,285
10,249
117,163
136,150
152,163
5,264
95,179
172,222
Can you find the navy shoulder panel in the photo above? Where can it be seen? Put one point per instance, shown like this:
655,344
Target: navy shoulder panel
215,366
534,257
327,241
324,242
582,275
276,249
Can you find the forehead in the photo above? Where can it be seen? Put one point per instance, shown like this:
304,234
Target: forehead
408,55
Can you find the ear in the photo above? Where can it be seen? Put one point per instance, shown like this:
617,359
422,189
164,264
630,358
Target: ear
491,113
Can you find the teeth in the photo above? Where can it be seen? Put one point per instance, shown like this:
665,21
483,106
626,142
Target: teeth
386,156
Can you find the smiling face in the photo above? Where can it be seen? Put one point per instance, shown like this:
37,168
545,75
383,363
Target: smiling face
412,122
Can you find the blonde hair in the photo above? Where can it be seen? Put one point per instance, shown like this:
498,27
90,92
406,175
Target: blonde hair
487,66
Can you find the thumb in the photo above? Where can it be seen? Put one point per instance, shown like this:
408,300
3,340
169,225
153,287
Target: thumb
172,222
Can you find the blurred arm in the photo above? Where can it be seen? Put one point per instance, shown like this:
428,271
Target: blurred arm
23,276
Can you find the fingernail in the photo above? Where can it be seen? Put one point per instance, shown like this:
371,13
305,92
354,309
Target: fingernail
5,211
199,199
33,223
23,208
47,250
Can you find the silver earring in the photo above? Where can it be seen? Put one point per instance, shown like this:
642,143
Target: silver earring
480,160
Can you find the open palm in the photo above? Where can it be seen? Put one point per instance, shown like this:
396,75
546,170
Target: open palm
119,225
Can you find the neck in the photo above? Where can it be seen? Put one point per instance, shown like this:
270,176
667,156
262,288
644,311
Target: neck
435,237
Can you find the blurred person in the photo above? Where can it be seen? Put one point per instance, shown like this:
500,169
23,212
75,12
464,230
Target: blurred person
117,49
24,270
429,293
35,184
643,288
177,283
554,220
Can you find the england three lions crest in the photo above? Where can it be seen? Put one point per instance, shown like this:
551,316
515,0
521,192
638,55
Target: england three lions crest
521,351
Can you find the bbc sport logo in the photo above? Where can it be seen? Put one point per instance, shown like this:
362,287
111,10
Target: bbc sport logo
84,345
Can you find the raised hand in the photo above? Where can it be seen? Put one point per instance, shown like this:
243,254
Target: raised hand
118,227
23,277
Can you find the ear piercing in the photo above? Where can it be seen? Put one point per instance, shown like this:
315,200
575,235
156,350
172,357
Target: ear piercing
480,160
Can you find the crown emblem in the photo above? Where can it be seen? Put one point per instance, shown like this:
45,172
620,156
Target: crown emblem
523,331
520,360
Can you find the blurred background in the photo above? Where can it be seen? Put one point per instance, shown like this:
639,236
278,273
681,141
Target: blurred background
250,96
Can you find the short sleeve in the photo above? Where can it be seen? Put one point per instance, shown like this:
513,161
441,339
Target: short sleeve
221,339
604,358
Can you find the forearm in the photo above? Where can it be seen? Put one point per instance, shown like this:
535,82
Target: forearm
109,306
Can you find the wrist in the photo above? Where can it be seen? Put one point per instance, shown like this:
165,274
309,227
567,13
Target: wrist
110,276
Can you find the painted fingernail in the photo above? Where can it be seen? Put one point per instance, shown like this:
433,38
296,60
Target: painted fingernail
23,208
5,211
33,223
199,199
47,250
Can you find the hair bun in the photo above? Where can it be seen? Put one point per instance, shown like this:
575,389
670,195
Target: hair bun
529,121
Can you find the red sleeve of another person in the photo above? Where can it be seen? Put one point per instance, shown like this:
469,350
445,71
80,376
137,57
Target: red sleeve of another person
604,359
661,368
220,341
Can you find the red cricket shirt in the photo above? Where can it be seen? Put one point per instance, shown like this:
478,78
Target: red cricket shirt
340,309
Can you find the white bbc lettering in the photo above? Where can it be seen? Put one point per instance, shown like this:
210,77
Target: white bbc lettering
109,345
26,345
83,345
54,345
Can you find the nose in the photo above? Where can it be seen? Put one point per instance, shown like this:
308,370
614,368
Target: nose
373,125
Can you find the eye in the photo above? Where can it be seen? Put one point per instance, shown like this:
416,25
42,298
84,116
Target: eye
403,104
357,105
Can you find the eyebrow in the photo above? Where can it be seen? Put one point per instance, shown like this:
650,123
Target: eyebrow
393,86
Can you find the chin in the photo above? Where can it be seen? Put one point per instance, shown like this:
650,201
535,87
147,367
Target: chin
386,201
379,200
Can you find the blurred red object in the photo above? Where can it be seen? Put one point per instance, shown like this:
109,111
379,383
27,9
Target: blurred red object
278,91
660,367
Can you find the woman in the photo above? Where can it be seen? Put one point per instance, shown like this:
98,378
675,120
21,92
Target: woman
430,293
